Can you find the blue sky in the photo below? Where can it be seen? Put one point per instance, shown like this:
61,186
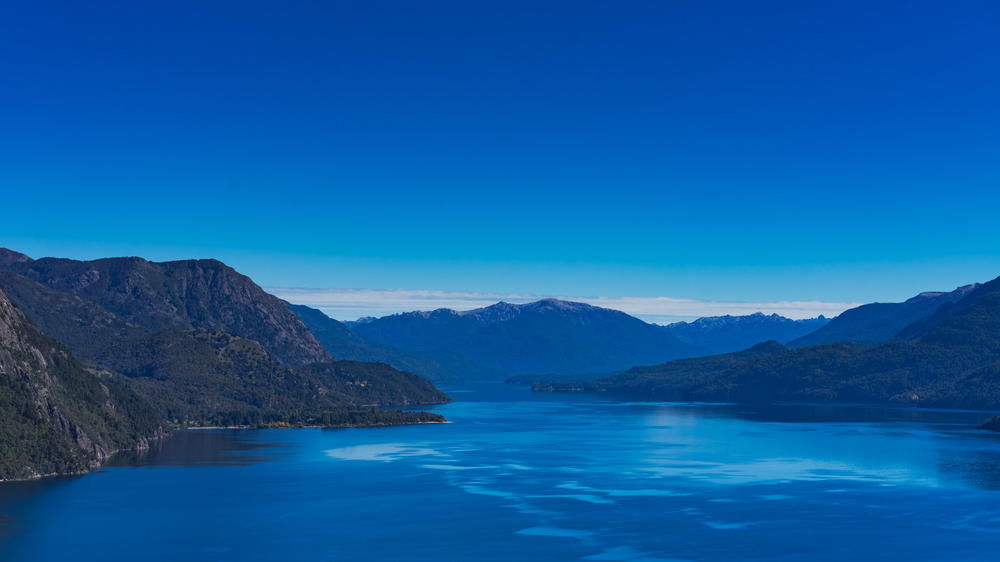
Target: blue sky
722,151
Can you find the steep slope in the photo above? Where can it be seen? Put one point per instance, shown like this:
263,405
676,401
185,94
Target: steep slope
956,363
84,327
879,322
971,295
548,336
58,418
210,377
344,343
725,334
181,295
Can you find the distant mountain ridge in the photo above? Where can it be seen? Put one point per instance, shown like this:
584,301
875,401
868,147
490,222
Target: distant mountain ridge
881,322
724,334
546,336
345,343
953,360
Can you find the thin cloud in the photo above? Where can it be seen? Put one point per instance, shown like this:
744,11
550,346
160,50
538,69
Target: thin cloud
350,304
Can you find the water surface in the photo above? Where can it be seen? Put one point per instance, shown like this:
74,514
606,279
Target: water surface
524,476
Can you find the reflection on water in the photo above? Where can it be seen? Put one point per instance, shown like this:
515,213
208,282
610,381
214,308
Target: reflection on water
224,447
530,476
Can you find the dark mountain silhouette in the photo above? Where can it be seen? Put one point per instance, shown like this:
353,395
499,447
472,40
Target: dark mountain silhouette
880,322
953,361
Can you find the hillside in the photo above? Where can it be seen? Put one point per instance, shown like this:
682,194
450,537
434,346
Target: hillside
344,343
547,336
210,378
725,334
194,375
880,322
182,295
955,363
57,417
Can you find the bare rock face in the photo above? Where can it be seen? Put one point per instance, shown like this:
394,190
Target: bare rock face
57,417
10,257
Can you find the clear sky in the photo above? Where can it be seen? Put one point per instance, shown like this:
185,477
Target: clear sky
726,151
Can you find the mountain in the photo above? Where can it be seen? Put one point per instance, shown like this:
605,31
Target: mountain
954,362
685,379
211,378
57,417
724,334
345,343
547,336
182,295
880,322
201,342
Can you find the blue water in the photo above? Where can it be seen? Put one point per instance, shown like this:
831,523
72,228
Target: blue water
524,476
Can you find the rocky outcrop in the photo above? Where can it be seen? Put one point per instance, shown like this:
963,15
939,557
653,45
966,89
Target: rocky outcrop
57,418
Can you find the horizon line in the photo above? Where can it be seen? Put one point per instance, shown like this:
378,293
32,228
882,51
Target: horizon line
348,304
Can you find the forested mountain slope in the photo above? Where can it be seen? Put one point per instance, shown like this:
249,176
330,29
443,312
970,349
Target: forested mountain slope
55,417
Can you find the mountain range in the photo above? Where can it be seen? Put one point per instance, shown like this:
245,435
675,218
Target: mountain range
547,336
948,357
343,342
723,334
104,355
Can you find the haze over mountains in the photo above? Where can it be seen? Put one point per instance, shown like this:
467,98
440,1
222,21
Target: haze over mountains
551,336
723,334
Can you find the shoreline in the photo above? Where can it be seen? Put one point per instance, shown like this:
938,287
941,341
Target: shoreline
162,437
209,427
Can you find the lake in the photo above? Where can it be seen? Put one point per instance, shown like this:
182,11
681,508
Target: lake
526,476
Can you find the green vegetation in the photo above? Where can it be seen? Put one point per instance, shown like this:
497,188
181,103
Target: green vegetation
956,363
193,343
183,295
57,417
195,377
877,323
330,419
